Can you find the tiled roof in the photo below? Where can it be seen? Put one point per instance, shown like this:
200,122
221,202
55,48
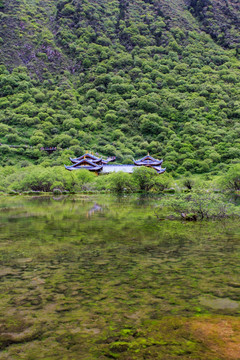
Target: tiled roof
93,158
159,169
90,168
89,162
148,160
147,157
85,156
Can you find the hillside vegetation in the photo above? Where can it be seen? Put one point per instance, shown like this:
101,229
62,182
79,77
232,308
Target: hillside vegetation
121,78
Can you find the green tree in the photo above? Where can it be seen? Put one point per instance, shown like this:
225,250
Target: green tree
120,182
144,178
231,180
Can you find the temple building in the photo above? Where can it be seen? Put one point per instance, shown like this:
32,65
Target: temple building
149,161
89,162
100,166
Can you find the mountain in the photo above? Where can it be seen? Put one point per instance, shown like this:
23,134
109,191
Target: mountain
121,78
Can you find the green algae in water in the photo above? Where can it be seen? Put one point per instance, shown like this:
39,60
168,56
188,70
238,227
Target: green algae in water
90,276
220,304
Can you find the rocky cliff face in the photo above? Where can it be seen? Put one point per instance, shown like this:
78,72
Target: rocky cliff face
40,34
219,18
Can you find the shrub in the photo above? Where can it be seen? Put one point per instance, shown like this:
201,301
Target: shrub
162,182
120,182
144,178
37,178
188,183
4,149
201,206
4,129
231,180
82,178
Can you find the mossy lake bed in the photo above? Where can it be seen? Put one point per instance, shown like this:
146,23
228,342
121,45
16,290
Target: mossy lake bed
100,277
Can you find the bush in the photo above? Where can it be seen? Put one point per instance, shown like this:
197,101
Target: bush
163,182
120,182
231,180
4,129
144,178
37,178
188,183
5,149
201,206
82,178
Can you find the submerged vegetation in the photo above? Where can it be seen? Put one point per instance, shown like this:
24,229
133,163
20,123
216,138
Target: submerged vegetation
201,205
99,277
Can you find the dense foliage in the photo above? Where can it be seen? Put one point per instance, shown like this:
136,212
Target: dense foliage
47,179
51,179
231,180
120,78
201,205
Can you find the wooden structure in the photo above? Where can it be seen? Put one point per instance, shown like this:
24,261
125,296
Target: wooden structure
49,150
91,162
149,161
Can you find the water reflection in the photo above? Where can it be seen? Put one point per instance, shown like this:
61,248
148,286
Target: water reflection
69,272
96,208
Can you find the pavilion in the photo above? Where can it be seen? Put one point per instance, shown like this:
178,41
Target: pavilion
100,166
149,161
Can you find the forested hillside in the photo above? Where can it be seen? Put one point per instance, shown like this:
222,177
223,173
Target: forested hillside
121,78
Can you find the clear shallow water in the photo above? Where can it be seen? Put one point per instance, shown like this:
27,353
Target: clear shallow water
77,272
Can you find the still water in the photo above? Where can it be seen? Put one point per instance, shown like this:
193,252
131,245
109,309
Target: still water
100,277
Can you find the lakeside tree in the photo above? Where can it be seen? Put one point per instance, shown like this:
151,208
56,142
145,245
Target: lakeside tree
200,205
231,180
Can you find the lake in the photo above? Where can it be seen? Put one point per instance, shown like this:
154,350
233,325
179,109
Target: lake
100,277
